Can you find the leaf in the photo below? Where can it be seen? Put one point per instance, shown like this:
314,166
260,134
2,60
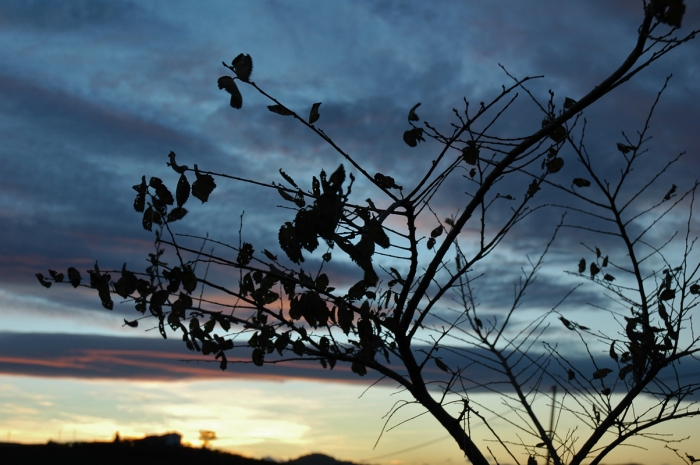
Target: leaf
470,153
245,255
431,243
313,115
280,110
133,324
322,282
555,165
568,103
74,277
387,182
533,188
288,178
58,277
609,277
270,255
566,323
597,252
441,365
695,289
558,134
164,194
571,375
176,214
625,149
437,232
242,65
285,195
413,136
580,182
594,269
203,186
140,200
227,83
606,391
601,373
224,362
669,12
326,257
667,294
43,281
375,231
472,173
605,261
182,191
612,352
670,193
189,280
625,371
412,116
582,265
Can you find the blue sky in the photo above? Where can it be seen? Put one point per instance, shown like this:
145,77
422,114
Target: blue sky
95,94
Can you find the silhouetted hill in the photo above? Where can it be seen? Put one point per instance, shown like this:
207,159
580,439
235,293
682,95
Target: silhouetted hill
140,452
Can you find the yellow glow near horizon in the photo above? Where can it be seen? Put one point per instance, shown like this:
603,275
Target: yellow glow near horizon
281,420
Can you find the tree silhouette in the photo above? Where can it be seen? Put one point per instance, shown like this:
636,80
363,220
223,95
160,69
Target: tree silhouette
396,319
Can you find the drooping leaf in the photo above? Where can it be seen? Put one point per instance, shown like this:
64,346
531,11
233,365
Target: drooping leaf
612,352
227,83
437,232
582,265
625,371
594,269
431,243
601,373
203,186
566,323
580,182
242,65
667,294
189,280
313,114
140,200
605,261
182,192
609,277
412,116
441,365
375,231
285,195
58,277
133,324
280,110
289,242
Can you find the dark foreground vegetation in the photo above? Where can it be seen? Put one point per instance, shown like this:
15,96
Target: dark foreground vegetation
137,452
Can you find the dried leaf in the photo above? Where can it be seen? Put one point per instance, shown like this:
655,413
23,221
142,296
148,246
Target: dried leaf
242,65
280,110
412,116
580,182
313,115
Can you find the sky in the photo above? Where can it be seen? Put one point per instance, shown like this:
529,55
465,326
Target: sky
94,94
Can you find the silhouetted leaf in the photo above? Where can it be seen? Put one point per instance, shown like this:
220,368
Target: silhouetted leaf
140,200
605,261
326,257
288,178
431,243
413,136
58,277
285,195
74,277
533,188
437,232
609,277
568,103
224,362
127,283
313,115
245,255
624,149
227,83
601,373
387,182
258,357
358,368
441,365
558,134
669,12
695,289
242,65
176,214
582,265
555,164
280,110
133,324
375,231
412,116
180,169
289,243
606,391
203,186
580,182
625,371
566,323
594,269
667,294
612,352
571,374
43,281
671,192
189,280
182,192
472,173
470,153
298,347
